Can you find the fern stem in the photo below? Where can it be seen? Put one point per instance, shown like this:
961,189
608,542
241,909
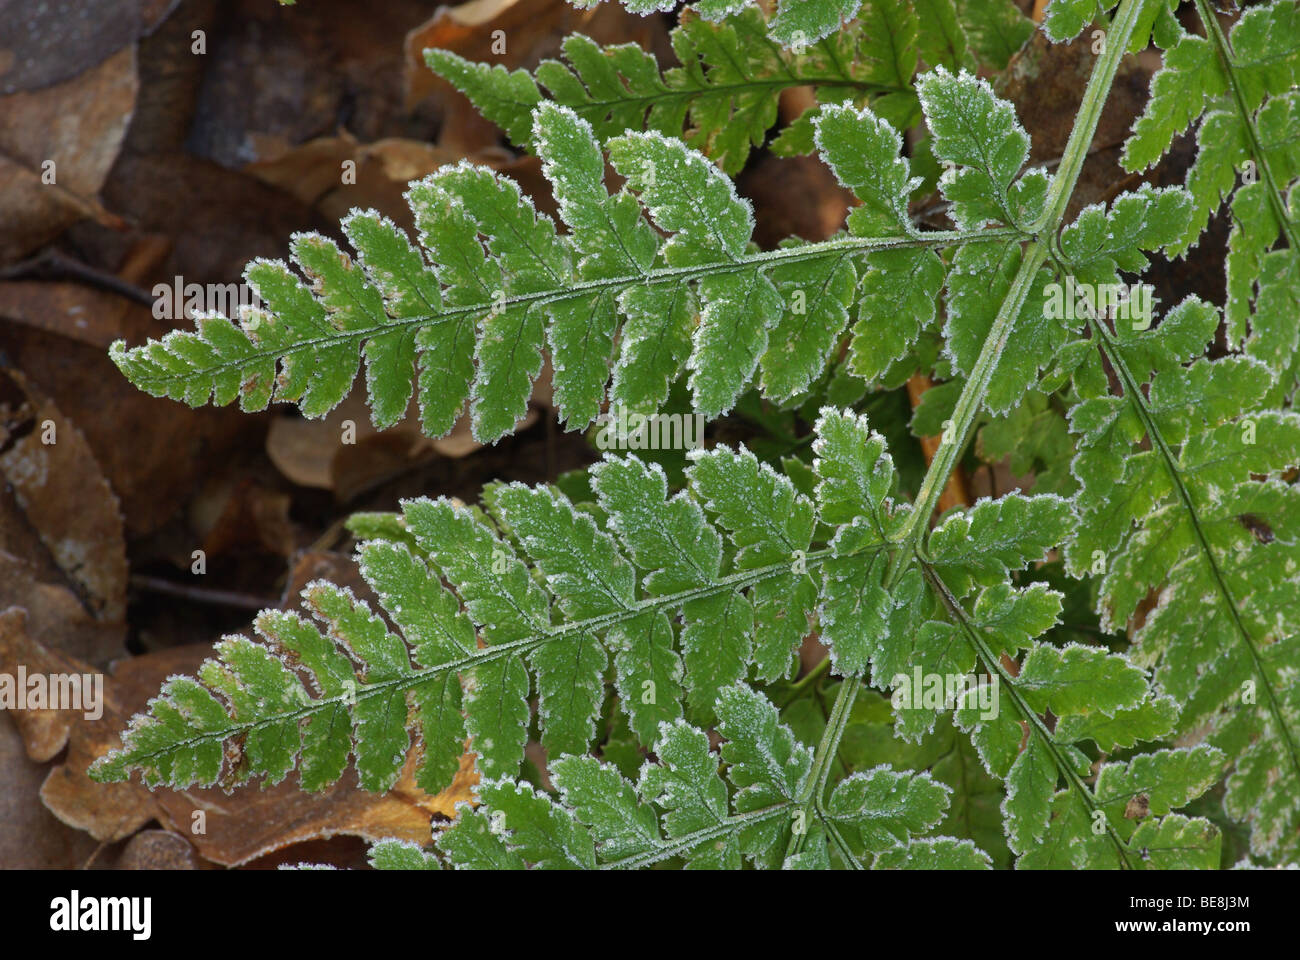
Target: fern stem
973,393
955,436
830,741
1223,51
1058,200
837,838
827,747
577,288
797,688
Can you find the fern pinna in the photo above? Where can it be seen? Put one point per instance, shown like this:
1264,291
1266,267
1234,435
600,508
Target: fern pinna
478,321
724,94
1166,501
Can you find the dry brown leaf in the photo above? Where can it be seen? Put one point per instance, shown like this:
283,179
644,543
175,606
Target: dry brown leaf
152,450
303,450
78,125
273,79
460,29
308,171
56,618
343,451
793,196
313,172
71,310
30,836
105,811
64,495
405,160
329,565
44,731
251,823
218,219
243,514
1045,81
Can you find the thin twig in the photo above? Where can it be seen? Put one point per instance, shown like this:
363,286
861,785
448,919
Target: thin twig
63,266
214,597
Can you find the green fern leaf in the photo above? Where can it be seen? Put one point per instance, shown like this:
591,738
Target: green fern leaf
1176,842
996,29
673,540
504,285
401,855
1228,80
720,101
1190,76
768,523
980,545
934,854
979,134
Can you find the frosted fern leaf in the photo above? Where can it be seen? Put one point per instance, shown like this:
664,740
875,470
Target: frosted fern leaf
650,282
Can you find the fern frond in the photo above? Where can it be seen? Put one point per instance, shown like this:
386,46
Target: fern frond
741,600
639,616
691,595
917,633
621,289
1092,693
948,29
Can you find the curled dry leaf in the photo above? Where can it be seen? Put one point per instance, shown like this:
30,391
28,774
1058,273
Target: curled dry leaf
464,26
64,495
44,731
